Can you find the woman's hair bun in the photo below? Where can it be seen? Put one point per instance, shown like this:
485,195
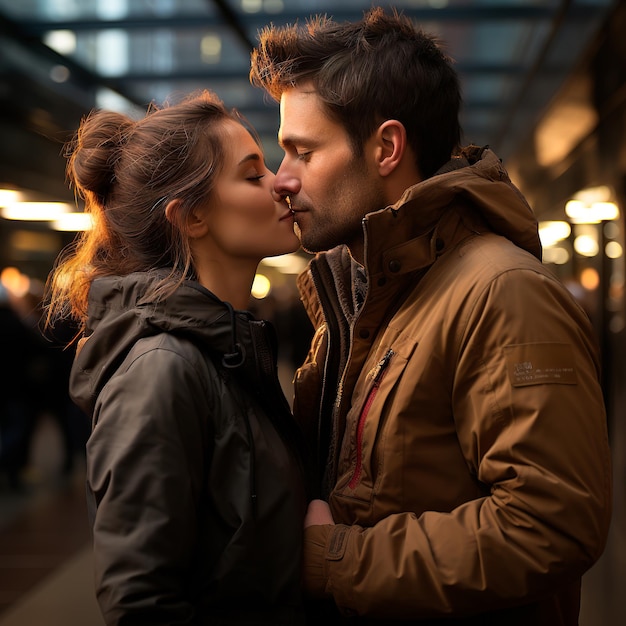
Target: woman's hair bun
95,151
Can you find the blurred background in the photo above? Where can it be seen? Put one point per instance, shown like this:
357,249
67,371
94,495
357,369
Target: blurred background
544,85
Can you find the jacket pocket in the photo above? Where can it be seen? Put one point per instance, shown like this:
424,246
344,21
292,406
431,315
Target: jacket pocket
378,375
365,447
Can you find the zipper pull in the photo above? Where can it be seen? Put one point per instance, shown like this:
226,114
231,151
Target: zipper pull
382,366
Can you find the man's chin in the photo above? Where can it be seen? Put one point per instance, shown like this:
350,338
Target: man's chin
312,247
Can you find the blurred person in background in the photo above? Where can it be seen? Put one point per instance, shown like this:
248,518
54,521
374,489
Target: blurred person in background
195,484
19,347
451,396
34,386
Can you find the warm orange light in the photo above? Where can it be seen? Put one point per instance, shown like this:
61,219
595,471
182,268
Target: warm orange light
36,211
589,279
9,196
261,286
14,281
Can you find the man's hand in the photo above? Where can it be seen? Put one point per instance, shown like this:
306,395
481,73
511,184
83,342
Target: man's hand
318,514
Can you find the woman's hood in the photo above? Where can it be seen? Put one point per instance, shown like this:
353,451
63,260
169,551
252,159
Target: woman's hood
119,315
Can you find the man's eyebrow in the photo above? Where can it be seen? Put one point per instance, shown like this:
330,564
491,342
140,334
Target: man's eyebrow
253,156
293,140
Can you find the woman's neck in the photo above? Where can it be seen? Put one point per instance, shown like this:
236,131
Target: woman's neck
231,284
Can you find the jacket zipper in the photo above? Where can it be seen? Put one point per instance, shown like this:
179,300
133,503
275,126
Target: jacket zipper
330,374
381,368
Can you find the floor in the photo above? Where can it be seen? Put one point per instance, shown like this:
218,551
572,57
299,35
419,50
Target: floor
45,555
45,558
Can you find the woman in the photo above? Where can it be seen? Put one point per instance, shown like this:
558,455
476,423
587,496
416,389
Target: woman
194,480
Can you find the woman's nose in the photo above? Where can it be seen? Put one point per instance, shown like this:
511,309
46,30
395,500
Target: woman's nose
270,178
278,197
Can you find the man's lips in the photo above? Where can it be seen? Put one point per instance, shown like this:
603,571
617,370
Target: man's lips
295,211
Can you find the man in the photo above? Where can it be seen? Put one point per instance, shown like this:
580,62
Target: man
451,392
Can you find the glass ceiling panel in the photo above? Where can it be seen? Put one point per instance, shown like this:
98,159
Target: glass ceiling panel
104,9
157,51
511,55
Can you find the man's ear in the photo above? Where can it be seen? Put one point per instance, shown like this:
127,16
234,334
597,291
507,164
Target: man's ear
194,225
391,145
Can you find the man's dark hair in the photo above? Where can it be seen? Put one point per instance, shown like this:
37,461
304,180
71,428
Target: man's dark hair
381,67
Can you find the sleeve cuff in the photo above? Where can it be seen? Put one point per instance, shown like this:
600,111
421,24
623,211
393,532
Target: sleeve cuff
315,567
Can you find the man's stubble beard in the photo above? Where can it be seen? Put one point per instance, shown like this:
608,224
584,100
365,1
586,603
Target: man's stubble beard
314,240
349,232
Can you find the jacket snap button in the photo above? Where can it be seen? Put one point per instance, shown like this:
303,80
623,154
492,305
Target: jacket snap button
364,333
394,266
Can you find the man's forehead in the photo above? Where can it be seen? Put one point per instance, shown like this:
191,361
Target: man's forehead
300,110
299,96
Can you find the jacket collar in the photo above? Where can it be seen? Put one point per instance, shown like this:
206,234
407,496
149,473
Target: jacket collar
471,194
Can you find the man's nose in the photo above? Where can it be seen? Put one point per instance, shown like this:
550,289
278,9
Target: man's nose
285,182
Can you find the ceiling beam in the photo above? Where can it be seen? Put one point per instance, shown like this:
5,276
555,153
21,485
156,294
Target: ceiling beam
232,19
220,72
243,21
12,30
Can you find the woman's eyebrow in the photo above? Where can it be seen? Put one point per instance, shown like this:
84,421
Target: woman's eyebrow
254,156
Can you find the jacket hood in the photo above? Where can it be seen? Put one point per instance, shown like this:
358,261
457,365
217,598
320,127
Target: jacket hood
478,180
119,314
